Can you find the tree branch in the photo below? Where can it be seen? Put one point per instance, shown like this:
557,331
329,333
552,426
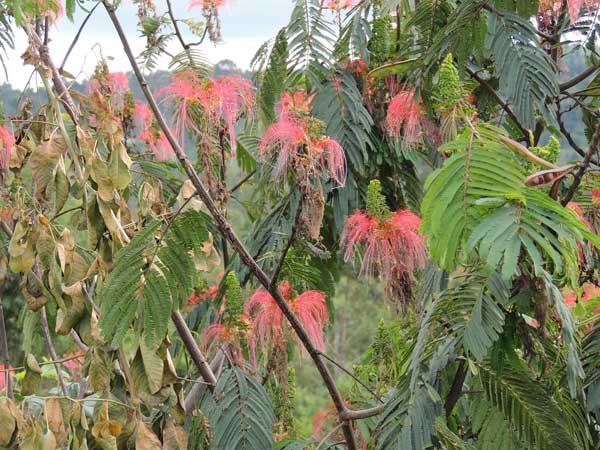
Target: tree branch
571,141
194,351
578,78
241,182
59,85
593,148
228,233
4,347
77,36
505,106
198,388
51,349
290,242
456,389
362,413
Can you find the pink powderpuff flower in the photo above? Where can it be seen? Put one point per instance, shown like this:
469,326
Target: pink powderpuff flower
332,156
207,3
118,83
184,90
267,320
286,137
75,365
294,106
297,143
223,99
391,244
595,197
339,4
404,119
590,291
53,9
7,141
143,114
157,141
229,97
162,148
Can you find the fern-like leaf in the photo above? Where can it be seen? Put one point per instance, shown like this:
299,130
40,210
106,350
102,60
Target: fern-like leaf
310,41
242,418
529,408
150,279
527,75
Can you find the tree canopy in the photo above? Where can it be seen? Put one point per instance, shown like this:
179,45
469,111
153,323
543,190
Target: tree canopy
175,252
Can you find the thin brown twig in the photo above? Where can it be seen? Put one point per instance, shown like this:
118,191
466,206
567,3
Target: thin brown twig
51,350
242,182
578,78
194,351
593,148
4,347
290,242
227,231
505,106
77,36
354,377
44,363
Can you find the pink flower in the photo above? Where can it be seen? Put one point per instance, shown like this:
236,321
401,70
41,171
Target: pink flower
207,3
216,334
549,10
332,156
299,143
294,106
143,114
234,95
339,4
223,99
74,366
162,148
391,244
267,319
156,140
286,137
404,118
53,9
7,140
184,89
118,82
595,196
570,299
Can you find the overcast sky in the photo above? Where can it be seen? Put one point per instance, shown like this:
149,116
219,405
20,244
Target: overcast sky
246,24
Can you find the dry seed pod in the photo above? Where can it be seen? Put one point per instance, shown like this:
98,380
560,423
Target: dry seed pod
548,176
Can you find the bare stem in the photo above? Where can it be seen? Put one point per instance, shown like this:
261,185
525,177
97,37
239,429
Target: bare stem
51,349
584,165
505,106
192,348
4,348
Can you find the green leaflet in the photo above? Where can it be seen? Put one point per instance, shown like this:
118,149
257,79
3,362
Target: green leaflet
478,203
242,416
310,41
150,282
527,75
534,415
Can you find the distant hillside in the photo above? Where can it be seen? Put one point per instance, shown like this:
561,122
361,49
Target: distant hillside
10,97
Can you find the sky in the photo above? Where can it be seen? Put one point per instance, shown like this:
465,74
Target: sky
245,25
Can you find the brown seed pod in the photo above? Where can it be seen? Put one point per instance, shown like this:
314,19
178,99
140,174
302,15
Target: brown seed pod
548,176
